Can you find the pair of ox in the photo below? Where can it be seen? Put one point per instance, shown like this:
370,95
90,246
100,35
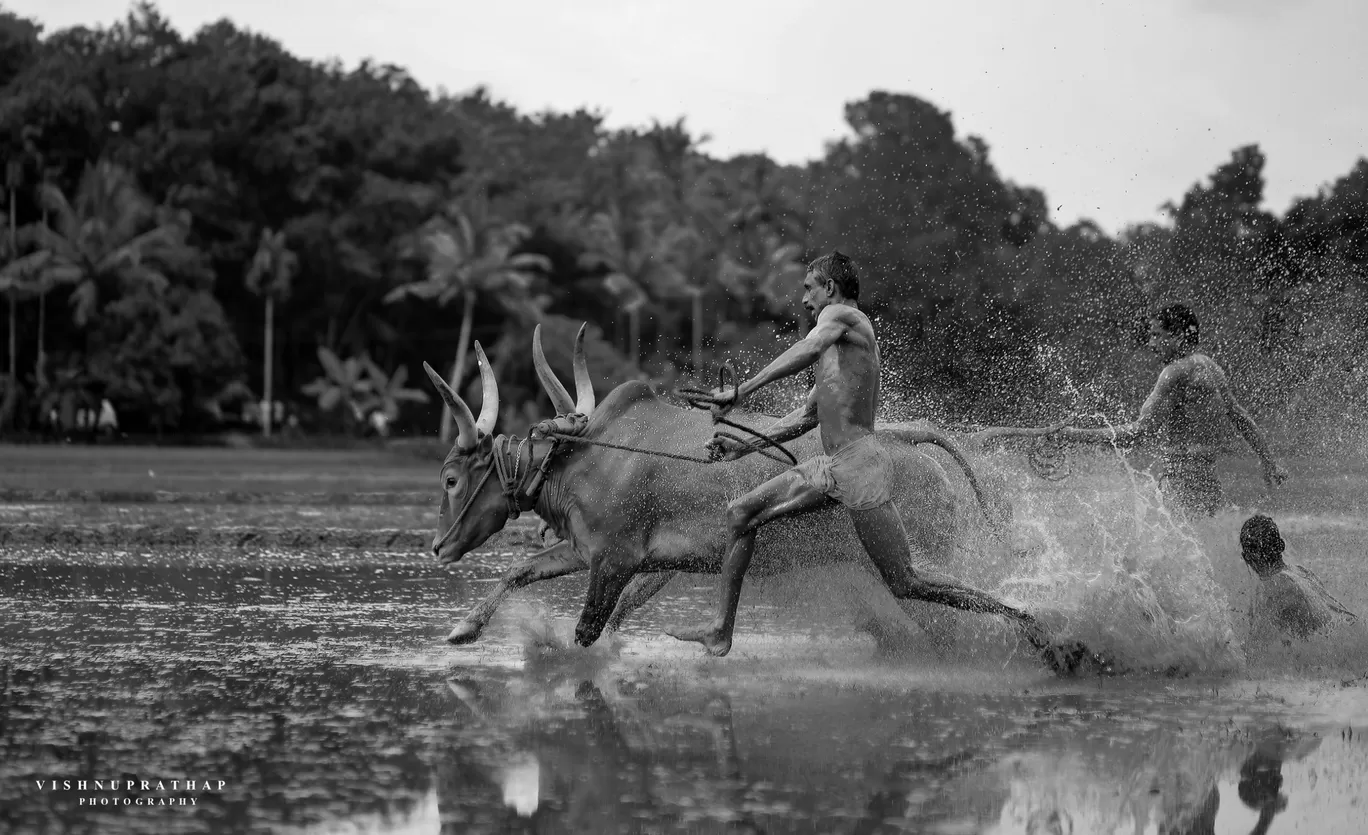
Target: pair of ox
634,519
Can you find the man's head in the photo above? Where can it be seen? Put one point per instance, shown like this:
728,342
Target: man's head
1173,331
1261,543
831,279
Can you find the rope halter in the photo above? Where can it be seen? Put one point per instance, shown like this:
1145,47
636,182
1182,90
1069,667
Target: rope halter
515,468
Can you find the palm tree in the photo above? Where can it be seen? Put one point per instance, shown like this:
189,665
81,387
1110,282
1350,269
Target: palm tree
113,235
13,173
24,278
641,264
343,382
9,282
272,269
774,279
764,207
388,391
468,254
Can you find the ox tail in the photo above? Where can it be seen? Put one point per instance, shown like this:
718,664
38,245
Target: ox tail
995,514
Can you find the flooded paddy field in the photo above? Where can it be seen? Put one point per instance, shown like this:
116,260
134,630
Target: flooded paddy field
316,685
209,469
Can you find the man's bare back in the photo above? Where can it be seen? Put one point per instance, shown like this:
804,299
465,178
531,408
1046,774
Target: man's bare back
1188,416
1191,407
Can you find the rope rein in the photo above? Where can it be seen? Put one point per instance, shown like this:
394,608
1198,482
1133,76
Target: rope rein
565,436
702,399
513,467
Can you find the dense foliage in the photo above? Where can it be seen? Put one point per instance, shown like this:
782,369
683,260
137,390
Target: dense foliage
167,189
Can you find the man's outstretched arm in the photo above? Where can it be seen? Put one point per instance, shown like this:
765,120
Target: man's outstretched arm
1244,424
829,329
1128,433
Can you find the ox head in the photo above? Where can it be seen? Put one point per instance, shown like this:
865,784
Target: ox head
473,505
476,503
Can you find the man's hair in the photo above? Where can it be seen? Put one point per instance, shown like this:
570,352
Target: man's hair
1260,537
1179,319
838,268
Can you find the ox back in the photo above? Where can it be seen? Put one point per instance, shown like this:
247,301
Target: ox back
672,513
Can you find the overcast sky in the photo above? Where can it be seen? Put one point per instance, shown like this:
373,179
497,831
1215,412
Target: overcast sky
1111,108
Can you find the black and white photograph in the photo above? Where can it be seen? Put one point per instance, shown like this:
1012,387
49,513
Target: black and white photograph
623,416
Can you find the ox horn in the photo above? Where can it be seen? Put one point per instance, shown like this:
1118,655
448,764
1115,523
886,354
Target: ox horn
466,434
584,387
560,398
489,405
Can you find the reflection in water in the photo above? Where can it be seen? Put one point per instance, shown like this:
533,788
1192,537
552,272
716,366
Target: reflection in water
313,689
1261,780
521,780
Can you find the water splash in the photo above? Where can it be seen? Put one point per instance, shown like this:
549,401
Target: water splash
1103,559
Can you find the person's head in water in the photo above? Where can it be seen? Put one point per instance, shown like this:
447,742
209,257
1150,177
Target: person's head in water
831,279
1261,544
1173,332
1260,788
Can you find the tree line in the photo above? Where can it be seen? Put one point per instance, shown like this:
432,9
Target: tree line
193,219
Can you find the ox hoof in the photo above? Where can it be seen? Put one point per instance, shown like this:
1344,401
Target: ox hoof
464,633
584,638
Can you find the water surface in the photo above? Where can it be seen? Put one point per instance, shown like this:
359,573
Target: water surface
317,687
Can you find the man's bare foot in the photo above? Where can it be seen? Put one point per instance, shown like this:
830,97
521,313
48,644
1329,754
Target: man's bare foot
711,636
1067,659
1075,659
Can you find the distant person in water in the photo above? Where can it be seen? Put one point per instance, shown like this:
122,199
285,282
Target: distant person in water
1290,601
1187,416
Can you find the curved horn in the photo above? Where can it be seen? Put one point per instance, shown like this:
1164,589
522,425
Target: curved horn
465,423
560,398
489,403
584,387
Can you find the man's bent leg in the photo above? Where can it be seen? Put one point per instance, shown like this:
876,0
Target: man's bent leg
786,494
885,540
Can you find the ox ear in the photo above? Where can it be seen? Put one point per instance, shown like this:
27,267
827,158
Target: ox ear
584,387
466,433
560,398
489,406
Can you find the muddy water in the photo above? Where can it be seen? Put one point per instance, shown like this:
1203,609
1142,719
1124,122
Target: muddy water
318,689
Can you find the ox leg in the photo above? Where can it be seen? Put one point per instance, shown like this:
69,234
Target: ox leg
642,588
557,561
786,494
885,540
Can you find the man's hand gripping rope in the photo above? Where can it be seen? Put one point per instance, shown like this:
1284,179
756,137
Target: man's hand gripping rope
726,446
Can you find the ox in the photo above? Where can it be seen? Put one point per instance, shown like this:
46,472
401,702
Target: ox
632,517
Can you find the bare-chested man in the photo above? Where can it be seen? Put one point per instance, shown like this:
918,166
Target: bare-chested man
1188,415
1290,601
854,471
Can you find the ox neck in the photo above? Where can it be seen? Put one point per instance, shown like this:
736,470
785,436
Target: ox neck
522,465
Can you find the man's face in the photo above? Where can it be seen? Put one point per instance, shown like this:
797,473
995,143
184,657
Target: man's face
1163,342
816,294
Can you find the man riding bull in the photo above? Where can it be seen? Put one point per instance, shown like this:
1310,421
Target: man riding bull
854,471
1188,414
